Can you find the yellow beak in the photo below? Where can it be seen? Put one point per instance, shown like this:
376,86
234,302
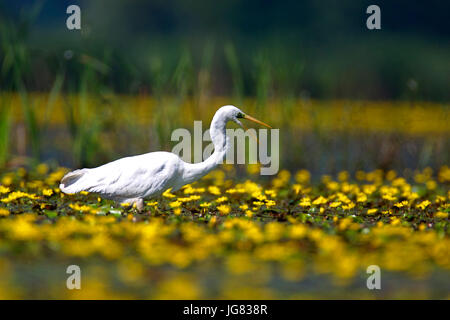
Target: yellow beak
256,120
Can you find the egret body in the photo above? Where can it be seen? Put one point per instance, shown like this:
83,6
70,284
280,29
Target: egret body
133,179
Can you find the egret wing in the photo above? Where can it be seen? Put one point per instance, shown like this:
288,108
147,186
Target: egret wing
139,176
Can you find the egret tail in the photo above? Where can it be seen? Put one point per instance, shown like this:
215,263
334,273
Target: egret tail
70,183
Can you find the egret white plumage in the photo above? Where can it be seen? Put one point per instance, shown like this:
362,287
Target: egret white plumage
133,179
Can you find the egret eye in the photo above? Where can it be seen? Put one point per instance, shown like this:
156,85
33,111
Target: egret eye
240,115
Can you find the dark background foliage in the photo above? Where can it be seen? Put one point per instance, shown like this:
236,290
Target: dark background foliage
317,48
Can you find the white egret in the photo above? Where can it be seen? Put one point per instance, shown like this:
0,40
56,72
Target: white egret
133,179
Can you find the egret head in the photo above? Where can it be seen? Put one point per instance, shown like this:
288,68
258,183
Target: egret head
232,113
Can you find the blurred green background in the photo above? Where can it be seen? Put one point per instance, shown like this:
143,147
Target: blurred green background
322,49
274,58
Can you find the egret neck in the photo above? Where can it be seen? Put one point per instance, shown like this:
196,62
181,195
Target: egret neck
217,131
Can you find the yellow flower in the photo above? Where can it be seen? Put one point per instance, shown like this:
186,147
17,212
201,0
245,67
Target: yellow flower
335,204
302,176
18,194
152,203
343,198
369,189
348,206
261,197
333,185
361,197
372,211
270,203
441,215
391,175
221,199
389,197
305,202
195,197
431,185
343,176
168,194
243,207
401,204
320,200
212,221
282,179
344,223
413,196
253,168
7,180
214,190
423,204
298,231
175,204
42,169
23,229
56,176
444,174
234,190
82,208
224,209
47,192
187,189
205,204
360,175
4,212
